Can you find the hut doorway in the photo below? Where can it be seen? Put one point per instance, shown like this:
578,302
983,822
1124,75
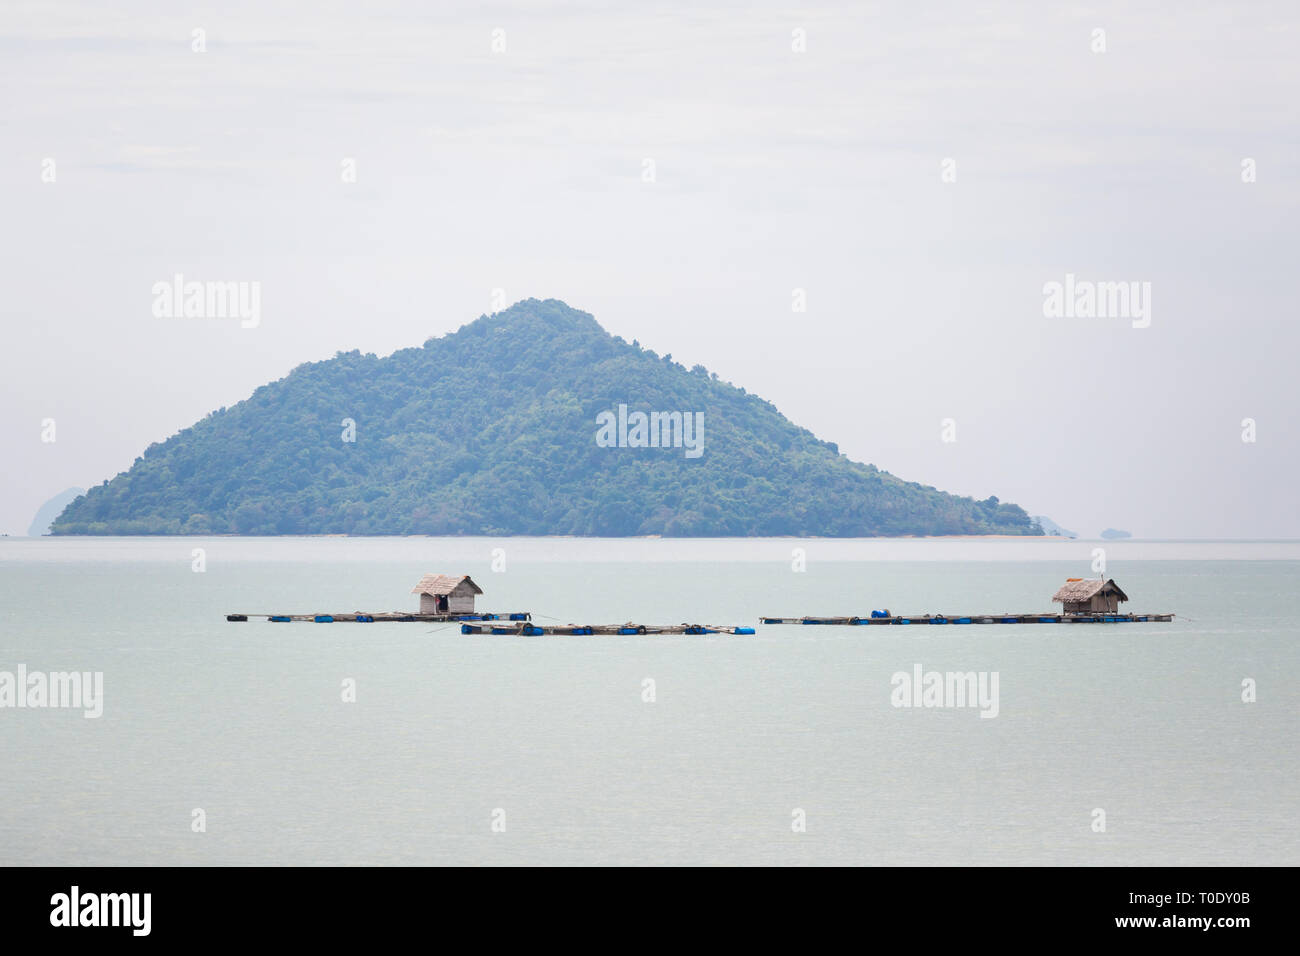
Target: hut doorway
442,603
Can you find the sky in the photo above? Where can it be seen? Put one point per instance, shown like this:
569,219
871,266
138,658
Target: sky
913,175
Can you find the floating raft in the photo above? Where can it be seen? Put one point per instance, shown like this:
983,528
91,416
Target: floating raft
363,617
1097,618
528,629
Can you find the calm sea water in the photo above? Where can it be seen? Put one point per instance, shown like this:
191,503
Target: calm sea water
247,721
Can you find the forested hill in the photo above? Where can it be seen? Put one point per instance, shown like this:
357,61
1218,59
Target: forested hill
493,430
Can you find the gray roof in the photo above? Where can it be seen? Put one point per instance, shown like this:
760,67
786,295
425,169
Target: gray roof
438,584
1082,589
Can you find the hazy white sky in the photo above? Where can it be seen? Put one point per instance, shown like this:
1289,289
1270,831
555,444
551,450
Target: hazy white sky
775,170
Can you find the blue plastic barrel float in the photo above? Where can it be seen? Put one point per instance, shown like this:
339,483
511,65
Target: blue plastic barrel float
939,619
903,620
365,619
962,620
627,630
743,630
280,618
468,629
324,619
1009,620
532,630
521,616
583,630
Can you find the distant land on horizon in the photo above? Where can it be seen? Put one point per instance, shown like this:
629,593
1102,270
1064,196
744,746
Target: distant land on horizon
497,429
47,512
1053,529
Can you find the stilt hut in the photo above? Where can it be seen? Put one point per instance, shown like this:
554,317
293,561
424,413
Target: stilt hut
446,594
1090,596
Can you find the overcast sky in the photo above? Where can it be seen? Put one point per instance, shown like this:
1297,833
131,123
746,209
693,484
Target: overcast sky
775,170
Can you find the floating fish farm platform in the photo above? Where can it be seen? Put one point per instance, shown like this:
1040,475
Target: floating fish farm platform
363,617
528,629
1077,618
516,623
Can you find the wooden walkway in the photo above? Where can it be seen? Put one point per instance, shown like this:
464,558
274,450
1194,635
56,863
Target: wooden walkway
366,617
1098,618
521,622
517,623
532,630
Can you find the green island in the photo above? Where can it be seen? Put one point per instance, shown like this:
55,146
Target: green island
493,430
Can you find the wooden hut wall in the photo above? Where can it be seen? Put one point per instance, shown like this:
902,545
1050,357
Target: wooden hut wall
461,600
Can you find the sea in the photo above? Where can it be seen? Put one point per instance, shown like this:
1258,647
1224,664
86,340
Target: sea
229,743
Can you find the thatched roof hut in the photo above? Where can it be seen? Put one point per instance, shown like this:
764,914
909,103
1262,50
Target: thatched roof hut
446,593
1088,595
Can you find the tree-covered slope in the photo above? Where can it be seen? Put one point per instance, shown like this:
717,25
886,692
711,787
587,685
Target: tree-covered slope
492,430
